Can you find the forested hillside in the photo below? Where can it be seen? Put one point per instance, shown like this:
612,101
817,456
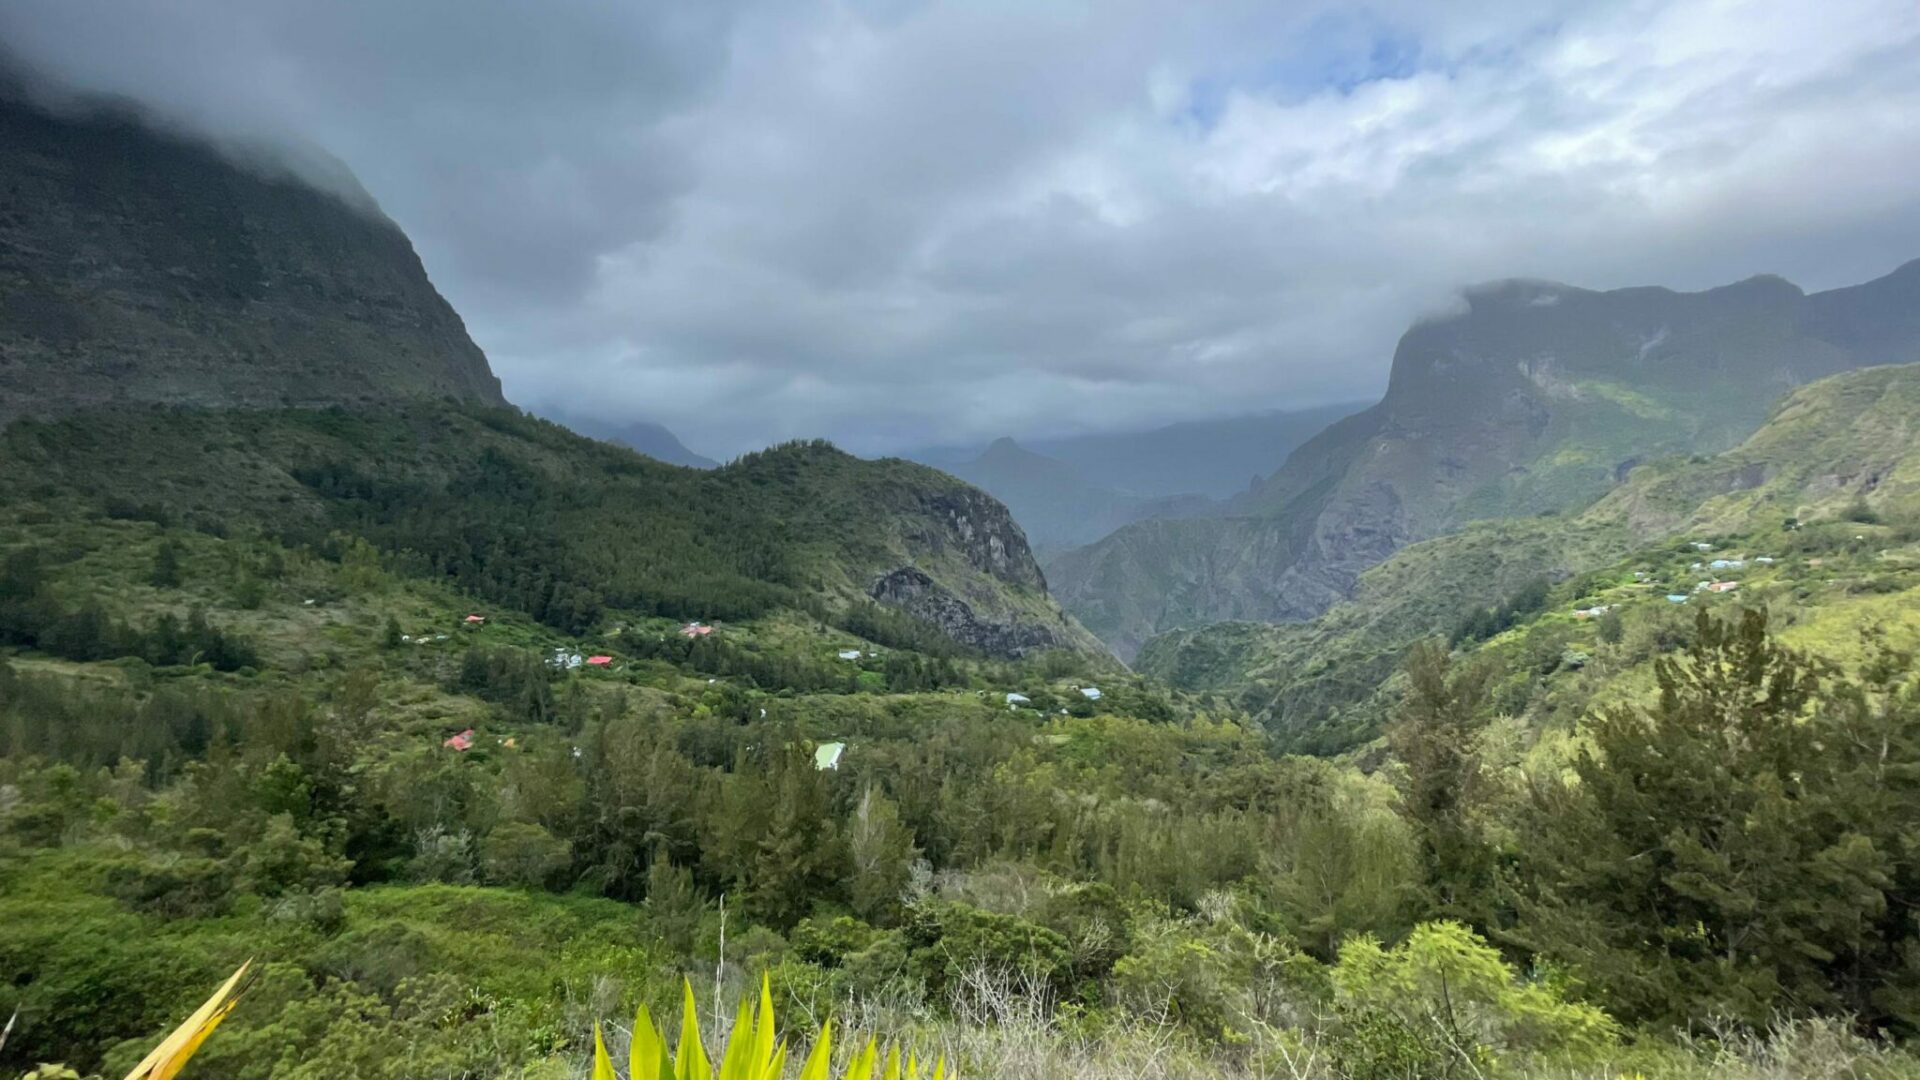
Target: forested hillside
523,513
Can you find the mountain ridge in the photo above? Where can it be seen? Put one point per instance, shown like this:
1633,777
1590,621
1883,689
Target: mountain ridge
1538,397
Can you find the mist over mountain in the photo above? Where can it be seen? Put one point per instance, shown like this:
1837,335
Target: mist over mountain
1538,397
1057,506
139,266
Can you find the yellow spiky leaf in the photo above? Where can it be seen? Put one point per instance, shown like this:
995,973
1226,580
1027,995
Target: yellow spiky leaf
861,1067
602,1065
940,1068
171,1055
647,1057
690,1060
737,1063
763,1027
893,1064
820,1059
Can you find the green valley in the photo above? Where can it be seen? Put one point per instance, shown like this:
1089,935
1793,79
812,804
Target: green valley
1556,716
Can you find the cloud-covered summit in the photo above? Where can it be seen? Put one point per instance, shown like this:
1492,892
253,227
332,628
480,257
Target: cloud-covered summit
902,223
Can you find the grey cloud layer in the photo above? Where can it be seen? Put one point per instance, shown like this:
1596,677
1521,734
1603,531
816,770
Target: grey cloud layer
906,223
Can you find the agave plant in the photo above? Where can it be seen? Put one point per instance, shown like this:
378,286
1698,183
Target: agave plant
752,1052
171,1055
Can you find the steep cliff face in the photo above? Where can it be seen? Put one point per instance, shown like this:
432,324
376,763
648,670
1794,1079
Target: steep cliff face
145,268
954,557
1538,397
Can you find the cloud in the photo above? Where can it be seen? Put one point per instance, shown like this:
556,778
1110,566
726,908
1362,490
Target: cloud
906,223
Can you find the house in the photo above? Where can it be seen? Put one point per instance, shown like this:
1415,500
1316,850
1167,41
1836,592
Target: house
1765,560
1700,546
599,661
695,629
1592,612
462,741
849,654
565,660
475,620
827,755
1723,586
1676,598
1091,693
1727,564
1018,699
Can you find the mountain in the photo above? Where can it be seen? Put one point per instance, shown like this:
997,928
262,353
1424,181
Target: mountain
1056,505
644,436
1836,461
1535,398
1216,458
140,266
185,337
526,514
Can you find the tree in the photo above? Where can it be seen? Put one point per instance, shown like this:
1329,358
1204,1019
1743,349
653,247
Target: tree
166,565
524,854
1436,738
798,858
1741,846
883,852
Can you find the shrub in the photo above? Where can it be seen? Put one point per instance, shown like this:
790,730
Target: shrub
1446,995
524,854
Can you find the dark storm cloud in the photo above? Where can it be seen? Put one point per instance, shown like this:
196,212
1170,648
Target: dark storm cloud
903,223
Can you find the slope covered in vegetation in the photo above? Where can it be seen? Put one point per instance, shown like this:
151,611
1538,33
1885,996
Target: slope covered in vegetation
1837,455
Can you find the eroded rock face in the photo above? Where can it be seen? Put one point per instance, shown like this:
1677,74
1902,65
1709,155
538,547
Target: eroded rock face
976,526
138,267
911,590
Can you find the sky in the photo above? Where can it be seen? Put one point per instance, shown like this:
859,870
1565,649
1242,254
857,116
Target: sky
897,223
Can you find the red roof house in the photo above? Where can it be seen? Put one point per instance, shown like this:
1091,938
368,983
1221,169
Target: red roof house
476,619
462,741
694,629
599,661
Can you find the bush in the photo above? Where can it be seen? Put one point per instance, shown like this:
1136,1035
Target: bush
949,941
520,853
1446,995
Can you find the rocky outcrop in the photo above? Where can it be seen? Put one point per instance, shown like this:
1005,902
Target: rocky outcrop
140,267
910,590
972,525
